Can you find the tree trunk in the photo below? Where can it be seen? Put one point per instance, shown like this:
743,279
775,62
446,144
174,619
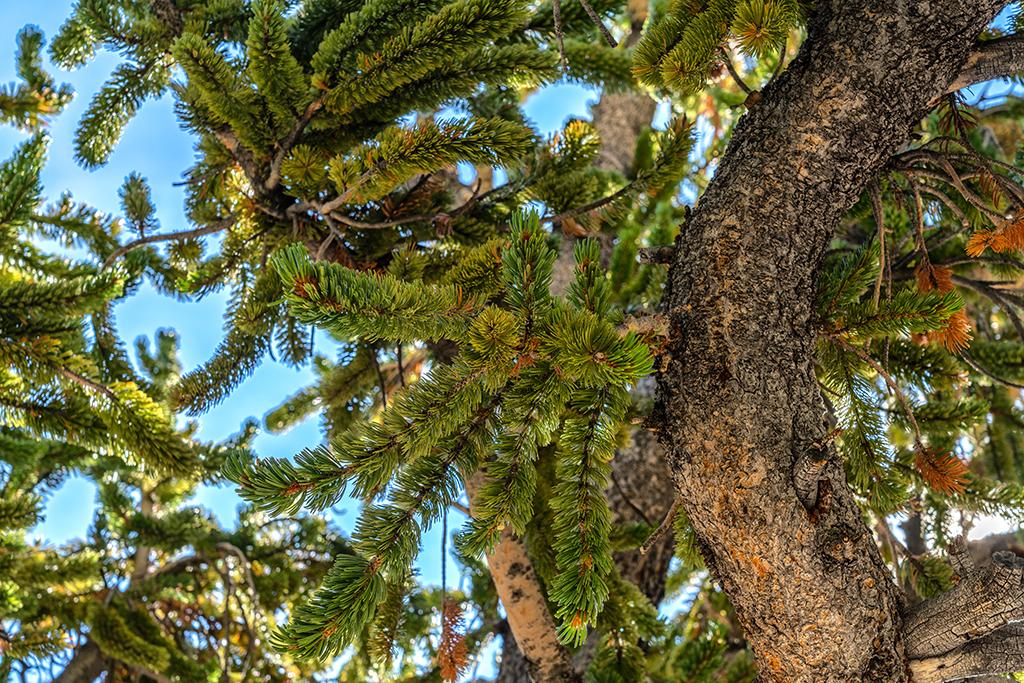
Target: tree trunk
741,409
85,666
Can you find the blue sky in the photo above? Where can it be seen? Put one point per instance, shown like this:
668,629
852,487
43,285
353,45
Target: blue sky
155,146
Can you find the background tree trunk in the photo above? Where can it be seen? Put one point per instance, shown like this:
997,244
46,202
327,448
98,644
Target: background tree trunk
741,405
85,666
641,489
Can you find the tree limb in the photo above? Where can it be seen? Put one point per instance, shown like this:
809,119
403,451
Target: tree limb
167,237
991,59
85,666
739,401
984,600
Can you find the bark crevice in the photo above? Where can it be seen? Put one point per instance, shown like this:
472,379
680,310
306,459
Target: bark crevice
743,417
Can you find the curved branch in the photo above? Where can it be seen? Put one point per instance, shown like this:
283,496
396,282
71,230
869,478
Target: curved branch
222,224
999,58
980,605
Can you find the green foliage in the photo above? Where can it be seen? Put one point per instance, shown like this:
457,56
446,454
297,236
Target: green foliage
455,30
272,66
31,103
677,51
376,307
433,436
19,177
398,154
346,160
113,106
108,629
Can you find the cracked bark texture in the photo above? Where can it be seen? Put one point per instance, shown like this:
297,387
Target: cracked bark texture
965,631
740,401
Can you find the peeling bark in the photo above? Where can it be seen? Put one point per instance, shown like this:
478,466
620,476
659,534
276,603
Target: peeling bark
740,401
527,612
535,654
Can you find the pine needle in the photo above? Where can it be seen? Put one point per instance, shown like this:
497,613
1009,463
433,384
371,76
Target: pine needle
942,471
452,653
1010,237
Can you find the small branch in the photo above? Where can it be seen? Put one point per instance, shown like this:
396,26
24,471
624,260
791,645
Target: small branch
168,237
991,59
727,59
600,23
87,383
327,210
879,213
274,177
998,297
556,13
662,529
401,369
380,378
629,500
242,156
974,365
590,206
900,396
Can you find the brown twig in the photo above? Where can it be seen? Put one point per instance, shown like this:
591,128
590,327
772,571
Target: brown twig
285,146
600,23
727,59
900,396
167,237
87,383
662,529
879,214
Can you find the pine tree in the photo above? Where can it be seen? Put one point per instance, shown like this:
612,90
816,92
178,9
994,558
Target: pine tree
157,588
496,339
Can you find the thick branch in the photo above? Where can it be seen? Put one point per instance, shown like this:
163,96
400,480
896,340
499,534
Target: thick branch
741,401
999,58
984,600
168,237
85,666
1000,652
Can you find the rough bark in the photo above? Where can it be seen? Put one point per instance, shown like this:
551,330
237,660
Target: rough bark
85,666
959,626
991,59
740,401
619,118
